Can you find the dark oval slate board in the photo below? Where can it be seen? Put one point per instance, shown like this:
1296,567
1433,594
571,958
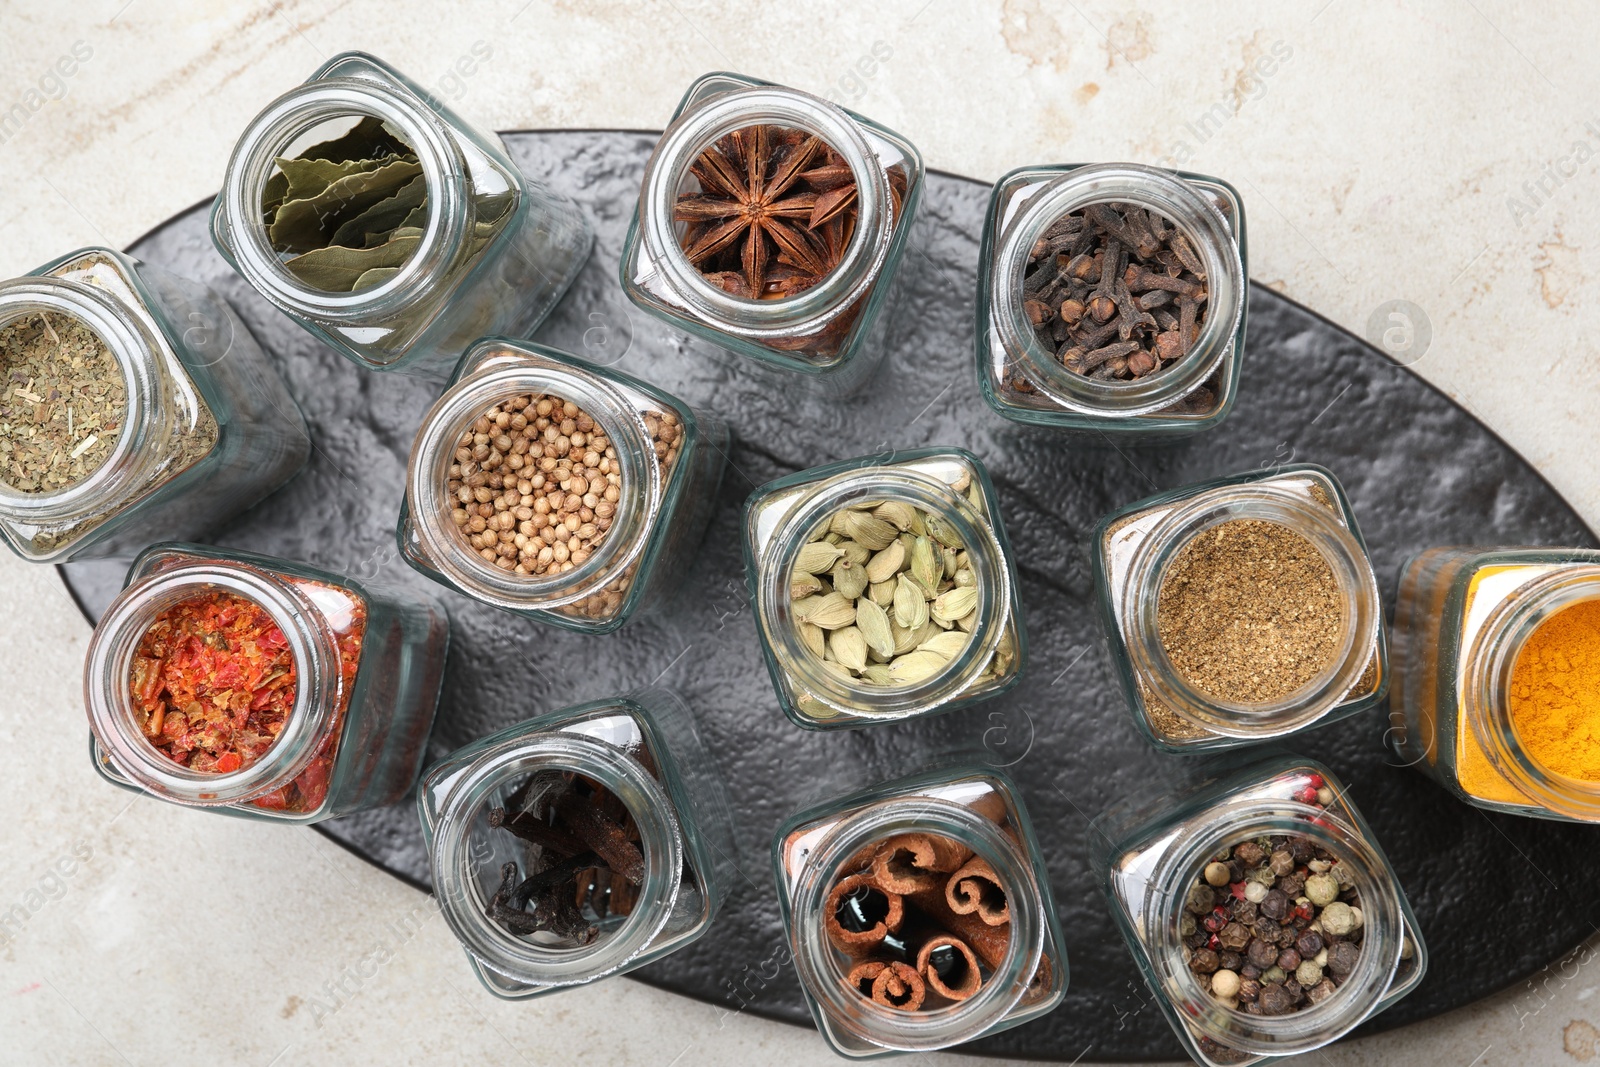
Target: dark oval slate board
1498,898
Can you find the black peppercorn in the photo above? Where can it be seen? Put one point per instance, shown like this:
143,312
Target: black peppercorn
1292,885
1309,944
1289,959
1249,989
1292,987
1261,953
1249,853
1234,936
1342,958
1322,991
1276,905
1204,961
1246,912
1250,970
1282,862
1275,1000
1231,961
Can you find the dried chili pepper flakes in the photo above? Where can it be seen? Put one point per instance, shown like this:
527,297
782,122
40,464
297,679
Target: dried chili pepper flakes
214,681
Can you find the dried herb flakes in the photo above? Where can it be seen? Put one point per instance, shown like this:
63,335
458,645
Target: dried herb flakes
62,403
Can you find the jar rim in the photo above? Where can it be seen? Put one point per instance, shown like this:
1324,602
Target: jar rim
462,404
1357,998
300,110
1339,548
132,345
887,703
109,665
462,900
836,293
815,958
1175,199
1494,656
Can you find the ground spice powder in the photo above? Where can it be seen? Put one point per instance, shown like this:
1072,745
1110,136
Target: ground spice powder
1250,611
1555,692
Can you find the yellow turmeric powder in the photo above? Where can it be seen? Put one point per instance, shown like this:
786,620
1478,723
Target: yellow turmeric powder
1555,692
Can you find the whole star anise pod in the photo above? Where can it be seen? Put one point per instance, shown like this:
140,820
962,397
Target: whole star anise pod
762,224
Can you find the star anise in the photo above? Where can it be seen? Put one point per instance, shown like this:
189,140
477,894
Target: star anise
762,225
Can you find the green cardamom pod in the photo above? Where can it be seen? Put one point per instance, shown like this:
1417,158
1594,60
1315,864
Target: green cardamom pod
886,564
965,578
816,557
904,640
830,611
877,674
849,647
955,604
897,513
942,532
854,552
873,622
815,638
882,593
947,644
871,531
916,667
968,622
849,579
803,584
927,566
910,606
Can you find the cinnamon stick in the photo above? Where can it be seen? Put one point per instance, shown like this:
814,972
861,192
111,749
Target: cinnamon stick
909,863
965,979
975,889
894,985
989,942
858,943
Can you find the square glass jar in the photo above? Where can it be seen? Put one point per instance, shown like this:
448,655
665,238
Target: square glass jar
1131,553
668,461
949,849
367,667
1024,381
1461,622
638,755
495,249
824,332
208,429
1152,852
785,519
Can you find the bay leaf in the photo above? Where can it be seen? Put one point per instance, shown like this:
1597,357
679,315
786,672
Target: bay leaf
382,217
308,177
336,269
371,138
301,225
374,277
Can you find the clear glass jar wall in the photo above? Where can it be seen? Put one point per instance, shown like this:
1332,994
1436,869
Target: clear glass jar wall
1134,550
1166,858
373,215
919,913
932,620
816,309
578,845
181,695
206,429
1462,621
667,460
1024,379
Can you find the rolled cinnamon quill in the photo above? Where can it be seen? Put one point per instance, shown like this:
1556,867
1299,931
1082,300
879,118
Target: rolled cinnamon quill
910,863
960,979
975,890
988,942
894,985
859,914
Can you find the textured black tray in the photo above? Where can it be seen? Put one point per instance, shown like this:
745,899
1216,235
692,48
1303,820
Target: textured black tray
1498,898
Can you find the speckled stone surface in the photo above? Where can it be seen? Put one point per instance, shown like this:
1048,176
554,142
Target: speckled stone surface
1419,470
1432,154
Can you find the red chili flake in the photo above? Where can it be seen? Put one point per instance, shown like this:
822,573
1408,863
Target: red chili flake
215,682
1237,889
1213,942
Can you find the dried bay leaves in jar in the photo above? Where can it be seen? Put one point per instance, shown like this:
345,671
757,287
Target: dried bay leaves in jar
348,212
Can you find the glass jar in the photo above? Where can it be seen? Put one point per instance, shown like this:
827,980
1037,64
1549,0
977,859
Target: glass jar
1461,621
1024,381
826,332
208,429
783,517
1152,852
506,800
670,462
873,839
366,667
1133,550
495,250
